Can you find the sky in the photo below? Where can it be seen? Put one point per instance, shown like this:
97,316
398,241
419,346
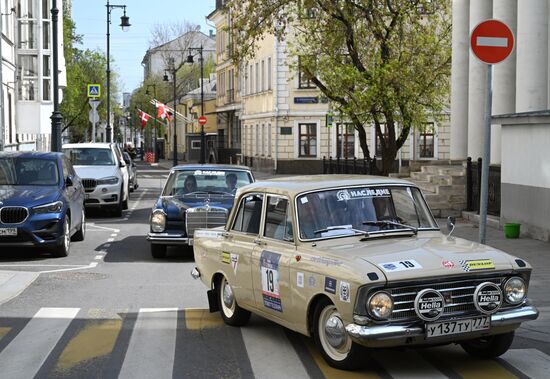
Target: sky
128,48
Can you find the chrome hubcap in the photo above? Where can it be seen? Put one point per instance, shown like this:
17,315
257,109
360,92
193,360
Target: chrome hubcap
335,332
228,297
67,235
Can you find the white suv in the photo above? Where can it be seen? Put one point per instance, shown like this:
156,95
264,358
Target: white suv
104,174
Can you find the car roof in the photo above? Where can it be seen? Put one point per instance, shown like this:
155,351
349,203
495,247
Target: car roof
210,167
295,185
93,145
30,154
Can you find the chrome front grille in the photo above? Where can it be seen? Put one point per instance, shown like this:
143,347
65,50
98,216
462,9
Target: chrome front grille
204,217
458,294
89,184
13,215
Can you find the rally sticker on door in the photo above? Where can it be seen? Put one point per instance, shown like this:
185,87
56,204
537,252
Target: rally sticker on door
269,271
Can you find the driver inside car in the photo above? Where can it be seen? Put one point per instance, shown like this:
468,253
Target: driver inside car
231,182
190,184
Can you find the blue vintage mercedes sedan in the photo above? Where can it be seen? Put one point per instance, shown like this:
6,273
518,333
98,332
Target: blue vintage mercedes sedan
194,196
41,202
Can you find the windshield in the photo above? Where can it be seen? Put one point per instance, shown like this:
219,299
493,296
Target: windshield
357,210
28,172
88,156
182,183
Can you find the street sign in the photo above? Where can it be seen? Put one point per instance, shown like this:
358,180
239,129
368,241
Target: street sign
492,41
94,90
93,116
202,120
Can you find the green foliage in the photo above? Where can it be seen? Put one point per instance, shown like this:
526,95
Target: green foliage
380,62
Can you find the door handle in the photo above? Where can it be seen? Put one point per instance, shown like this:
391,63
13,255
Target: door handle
258,241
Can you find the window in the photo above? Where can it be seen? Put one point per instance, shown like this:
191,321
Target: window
307,140
345,140
426,141
46,88
27,70
304,81
45,35
262,139
269,73
278,219
249,215
262,81
251,89
245,83
257,139
384,129
257,79
195,145
268,140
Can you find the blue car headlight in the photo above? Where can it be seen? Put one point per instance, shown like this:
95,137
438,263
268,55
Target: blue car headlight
108,180
158,221
55,207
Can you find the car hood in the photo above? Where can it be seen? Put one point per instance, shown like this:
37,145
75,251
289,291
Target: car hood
429,256
96,172
28,196
175,207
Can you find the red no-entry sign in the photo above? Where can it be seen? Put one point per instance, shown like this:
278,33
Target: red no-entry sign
492,41
202,120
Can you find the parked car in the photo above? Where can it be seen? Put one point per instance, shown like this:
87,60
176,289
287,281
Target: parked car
359,261
41,202
132,171
194,196
104,174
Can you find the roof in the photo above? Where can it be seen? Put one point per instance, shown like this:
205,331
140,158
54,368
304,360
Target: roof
210,167
297,184
30,154
93,145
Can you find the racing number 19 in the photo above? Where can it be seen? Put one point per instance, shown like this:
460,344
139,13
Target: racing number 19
269,277
407,264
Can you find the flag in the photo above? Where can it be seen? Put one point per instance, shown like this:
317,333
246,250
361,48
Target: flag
144,117
162,111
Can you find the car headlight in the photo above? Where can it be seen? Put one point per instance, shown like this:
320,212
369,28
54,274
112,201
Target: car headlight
380,305
55,207
108,180
158,221
514,290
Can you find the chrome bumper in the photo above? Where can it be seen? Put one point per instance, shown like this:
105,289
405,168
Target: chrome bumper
365,334
169,239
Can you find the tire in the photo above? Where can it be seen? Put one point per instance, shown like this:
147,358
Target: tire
231,313
81,232
63,249
158,251
117,210
341,353
489,347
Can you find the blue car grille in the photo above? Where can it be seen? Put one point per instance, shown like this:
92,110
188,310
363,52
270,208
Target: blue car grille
13,215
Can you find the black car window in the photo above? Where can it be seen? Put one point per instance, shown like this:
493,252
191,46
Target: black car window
89,156
249,215
278,220
29,171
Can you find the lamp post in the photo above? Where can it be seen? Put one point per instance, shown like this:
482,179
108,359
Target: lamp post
124,24
172,65
203,136
155,155
56,116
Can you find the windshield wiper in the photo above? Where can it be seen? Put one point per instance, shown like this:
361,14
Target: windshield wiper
392,223
338,227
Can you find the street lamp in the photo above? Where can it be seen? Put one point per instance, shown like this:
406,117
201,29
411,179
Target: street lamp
172,65
203,136
155,127
124,24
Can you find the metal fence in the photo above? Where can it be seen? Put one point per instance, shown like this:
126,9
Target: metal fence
473,187
349,166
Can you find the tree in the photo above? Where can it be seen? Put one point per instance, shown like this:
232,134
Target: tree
380,62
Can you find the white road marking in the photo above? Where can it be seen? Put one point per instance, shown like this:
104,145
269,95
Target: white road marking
153,340
113,235
110,240
492,41
98,257
91,265
93,225
531,362
411,365
24,356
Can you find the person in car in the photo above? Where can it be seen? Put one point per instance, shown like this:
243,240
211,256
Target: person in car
231,182
190,184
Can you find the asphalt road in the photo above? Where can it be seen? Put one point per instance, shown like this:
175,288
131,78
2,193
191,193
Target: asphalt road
110,310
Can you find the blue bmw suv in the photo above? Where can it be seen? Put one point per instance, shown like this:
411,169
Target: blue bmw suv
41,201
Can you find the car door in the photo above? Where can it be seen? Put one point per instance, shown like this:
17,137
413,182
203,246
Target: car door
271,259
239,242
72,194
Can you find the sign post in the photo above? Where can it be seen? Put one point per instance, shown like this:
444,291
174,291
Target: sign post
93,115
491,41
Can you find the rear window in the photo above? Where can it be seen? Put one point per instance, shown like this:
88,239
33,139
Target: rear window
87,156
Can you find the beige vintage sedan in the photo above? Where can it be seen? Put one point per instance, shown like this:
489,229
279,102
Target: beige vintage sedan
359,261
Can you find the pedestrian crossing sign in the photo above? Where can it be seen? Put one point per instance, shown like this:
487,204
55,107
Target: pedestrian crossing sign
94,90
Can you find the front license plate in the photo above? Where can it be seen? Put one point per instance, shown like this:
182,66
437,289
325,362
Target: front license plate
8,231
446,328
86,196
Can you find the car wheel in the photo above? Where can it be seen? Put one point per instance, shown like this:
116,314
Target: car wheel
62,250
117,210
332,339
232,314
81,232
158,251
489,347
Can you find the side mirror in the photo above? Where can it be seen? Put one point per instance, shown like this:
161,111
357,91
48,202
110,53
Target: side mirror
121,164
69,181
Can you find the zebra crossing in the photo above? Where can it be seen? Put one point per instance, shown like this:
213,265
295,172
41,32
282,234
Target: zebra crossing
174,343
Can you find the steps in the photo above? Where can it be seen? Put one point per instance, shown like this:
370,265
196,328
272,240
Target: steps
444,187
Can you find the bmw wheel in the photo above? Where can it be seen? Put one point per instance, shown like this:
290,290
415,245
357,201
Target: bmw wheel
62,250
332,339
232,314
81,232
